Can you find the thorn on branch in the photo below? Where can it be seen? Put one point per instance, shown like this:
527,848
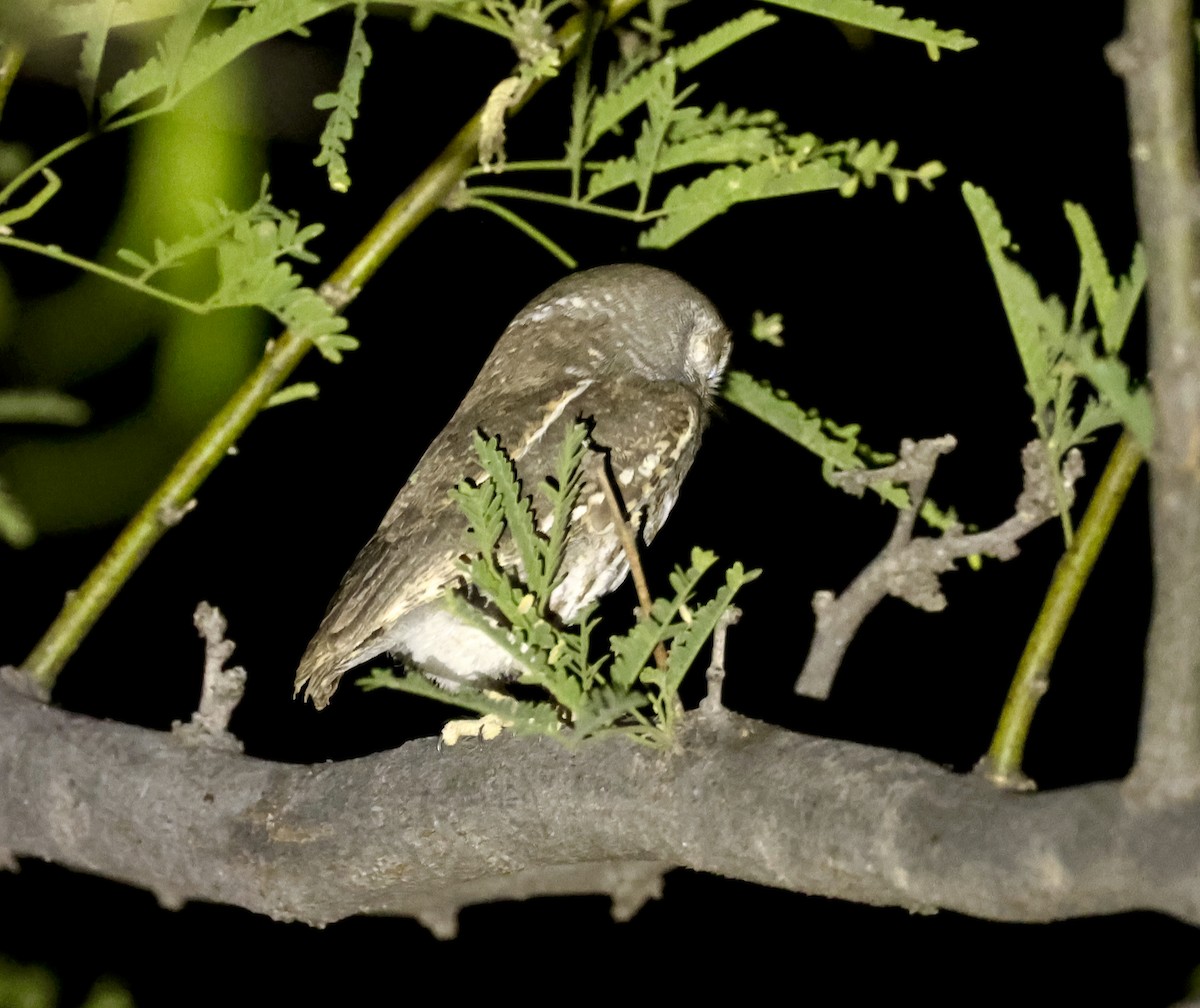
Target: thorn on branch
222,688
910,568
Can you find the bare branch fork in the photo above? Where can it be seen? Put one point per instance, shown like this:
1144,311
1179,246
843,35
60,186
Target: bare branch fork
909,567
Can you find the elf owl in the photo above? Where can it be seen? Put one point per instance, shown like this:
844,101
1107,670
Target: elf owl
634,351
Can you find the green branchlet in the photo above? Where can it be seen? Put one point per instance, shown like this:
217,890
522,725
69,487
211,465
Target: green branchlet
743,155
514,570
1057,350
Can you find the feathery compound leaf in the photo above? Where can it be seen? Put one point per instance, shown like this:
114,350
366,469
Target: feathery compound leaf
698,627
610,108
522,718
1120,313
1038,326
91,55
343,106
688,207
838,447
1131,405
735,145
633,650
1092,260
603,707
1053,353
889,20
249,246
1115,303
562,493
518,516
693,53
480,501
264,20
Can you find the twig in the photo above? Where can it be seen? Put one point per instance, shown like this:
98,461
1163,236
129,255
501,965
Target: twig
1155,56
222,688
715,677
629,545
909,568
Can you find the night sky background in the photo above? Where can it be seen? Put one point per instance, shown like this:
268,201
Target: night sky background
892,321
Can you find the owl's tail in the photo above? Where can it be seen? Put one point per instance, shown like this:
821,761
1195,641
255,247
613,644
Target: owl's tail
320,671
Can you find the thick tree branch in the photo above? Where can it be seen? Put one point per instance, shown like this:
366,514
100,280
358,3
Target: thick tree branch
419,832
1155,58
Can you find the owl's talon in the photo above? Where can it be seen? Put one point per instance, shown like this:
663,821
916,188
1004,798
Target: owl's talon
486,728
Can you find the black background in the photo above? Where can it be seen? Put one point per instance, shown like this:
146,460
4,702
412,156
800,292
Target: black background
892,321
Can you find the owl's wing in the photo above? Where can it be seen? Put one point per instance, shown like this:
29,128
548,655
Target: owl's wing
645,427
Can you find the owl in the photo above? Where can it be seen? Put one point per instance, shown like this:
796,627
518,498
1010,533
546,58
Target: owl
634,351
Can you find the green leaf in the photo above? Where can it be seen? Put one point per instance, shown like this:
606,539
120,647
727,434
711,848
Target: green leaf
1038,326
91,55
699,625
562,493
1131,404
837,446
708,45
42,406
293,392
1092,260
1120,312
526,718
16,524
609,109
343,106
734,145
632,651
888,20
253,25
687,208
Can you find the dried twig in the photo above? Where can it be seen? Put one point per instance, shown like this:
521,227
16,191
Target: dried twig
909,567
222,689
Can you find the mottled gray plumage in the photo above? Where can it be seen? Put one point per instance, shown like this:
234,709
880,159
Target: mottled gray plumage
634,349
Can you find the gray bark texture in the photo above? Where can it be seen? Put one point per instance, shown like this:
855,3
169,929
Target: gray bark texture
419,831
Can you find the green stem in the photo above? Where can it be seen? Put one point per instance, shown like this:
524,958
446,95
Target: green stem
633,216
1002,764
170,500
34,169
54,252
521,224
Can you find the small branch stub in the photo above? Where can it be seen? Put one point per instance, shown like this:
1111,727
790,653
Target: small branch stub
712,704
222,688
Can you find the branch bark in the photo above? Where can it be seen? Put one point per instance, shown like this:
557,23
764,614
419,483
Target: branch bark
1155,57
418,832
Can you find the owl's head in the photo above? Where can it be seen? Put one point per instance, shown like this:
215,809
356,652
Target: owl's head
629,317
